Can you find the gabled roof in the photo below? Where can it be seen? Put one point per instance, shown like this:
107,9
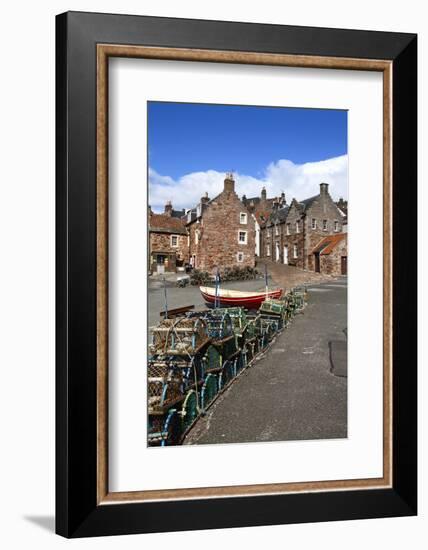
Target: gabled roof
308,202
162,223
279,215
328,243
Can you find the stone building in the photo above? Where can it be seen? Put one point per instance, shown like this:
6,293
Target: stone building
292,232
261,208
331,255
221,231
168,240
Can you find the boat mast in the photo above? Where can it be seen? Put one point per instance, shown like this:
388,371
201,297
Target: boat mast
266,281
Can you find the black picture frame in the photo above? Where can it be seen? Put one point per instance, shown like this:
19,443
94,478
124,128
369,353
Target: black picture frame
77,511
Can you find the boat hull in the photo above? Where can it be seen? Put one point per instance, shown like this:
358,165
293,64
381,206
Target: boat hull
249,302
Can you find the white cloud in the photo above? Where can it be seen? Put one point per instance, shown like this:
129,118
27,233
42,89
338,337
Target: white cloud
296,180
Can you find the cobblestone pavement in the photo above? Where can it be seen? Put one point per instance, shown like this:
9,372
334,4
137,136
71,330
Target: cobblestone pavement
290,393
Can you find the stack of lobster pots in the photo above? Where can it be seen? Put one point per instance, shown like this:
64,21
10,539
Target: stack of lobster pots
195,356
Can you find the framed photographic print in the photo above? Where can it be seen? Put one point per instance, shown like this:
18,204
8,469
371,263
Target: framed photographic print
236,274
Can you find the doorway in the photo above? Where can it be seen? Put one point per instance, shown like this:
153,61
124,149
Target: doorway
317,262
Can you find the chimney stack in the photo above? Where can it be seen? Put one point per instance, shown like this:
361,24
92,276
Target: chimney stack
168,208
323,188
263,194
229,183
205,198
283,198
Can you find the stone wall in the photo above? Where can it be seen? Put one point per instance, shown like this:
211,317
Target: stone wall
331,264
161,243
218,244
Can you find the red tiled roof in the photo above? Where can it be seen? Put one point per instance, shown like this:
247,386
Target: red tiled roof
166,224
328,243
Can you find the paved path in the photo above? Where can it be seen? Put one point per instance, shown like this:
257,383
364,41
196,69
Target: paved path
290,392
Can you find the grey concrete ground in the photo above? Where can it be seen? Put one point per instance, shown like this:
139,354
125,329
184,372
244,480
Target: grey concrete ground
290,393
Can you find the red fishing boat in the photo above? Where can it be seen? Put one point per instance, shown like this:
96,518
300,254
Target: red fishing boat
232,298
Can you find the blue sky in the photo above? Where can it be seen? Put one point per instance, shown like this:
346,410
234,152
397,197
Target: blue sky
198,143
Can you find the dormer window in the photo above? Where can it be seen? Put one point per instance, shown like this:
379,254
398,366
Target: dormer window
243,218
189,216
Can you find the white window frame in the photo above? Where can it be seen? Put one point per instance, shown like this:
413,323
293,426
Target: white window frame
276,229
246,236
314,223
287,229
267,250
240,255
172,241
297,227
336,226
196,236
324,225
295,251
243,214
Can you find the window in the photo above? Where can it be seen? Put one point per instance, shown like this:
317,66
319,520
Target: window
267,250
242,237
324,225
297,227
288,228
276,229
336,225
295,251
314,223
240,257
196,237
243,218
174,241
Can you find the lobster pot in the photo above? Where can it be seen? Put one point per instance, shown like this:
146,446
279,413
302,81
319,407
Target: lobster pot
226,347
209,390
241,360
227,374
273,307
180,336
212,359
165,386
300,296
164,430
238,316
219,324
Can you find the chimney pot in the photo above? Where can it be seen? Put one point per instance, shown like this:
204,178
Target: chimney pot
229,183
323,188
168,208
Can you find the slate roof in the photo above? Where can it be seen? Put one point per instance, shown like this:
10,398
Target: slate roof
328,243
178,213
308,202
278,216
161,223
